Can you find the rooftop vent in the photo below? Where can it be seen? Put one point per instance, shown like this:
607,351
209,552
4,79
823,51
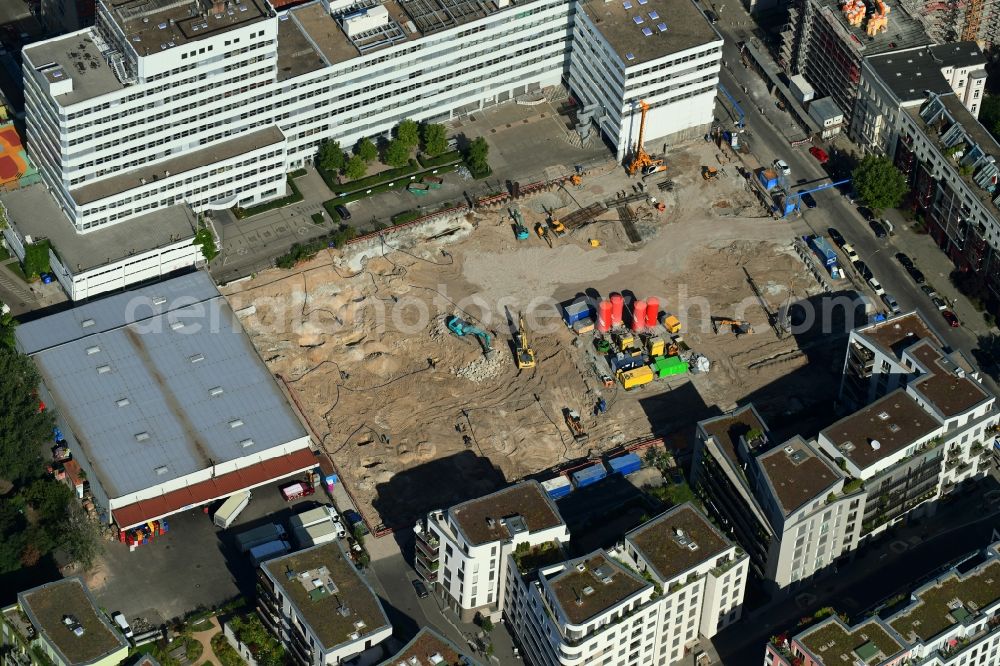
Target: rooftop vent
217,391
176,325
197,357
141,436
236,423
893,427
87,323
490,522
103,369
581,567
630,56
78,631
122,402
789,450
587,591
246,443
344,610
161,470
93,350
884,416
354,635
359,624
159,300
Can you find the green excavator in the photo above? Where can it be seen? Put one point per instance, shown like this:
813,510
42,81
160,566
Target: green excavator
462,328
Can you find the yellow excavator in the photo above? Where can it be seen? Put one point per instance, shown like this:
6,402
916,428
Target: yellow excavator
525,354
642,162
739,326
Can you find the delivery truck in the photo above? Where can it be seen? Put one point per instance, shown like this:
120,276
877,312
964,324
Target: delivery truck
269,550
231,508
258,535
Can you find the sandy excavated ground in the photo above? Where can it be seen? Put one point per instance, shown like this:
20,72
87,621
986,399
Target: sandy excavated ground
417,418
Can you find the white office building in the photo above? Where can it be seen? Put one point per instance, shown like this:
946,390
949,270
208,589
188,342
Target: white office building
209,102
673,580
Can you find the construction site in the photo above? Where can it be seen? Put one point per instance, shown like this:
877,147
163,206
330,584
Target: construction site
438,362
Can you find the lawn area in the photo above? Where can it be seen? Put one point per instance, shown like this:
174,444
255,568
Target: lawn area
363,183
294,197
15,268
4,254
932,615
867,639
399,183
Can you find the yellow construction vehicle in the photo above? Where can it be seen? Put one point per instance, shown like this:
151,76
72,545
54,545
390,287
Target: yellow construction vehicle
594,242
557,227
543,233
576,180
672,324
709,173
525,354
642,162
574,424
739,326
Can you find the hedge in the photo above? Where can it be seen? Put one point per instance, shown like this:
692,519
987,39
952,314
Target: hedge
406,216
298,173
385,187
303,251
365,183
450,157
294,197
317,218
224,651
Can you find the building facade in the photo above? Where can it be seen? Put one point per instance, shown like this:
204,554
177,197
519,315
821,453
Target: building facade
210,102
953,620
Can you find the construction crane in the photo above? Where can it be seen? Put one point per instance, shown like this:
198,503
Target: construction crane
794,201
772,317
462,328
642,161
525,354
737,109
739,326
973,15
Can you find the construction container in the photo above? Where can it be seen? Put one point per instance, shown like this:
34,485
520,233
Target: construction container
823,250
638,315
617,305
604,316
801,90
581,326
575,311
670,365
768,178
655,346
652,311
671,323
636,377
625,464
623,362
589,475
558,487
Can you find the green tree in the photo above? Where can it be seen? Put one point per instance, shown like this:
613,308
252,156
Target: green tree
397,154
408,132
330,156
355,168
7,326
435,139
879,182
366,150
477,157
206,239
23,429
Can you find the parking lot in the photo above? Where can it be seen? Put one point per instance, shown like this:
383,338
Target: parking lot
193,565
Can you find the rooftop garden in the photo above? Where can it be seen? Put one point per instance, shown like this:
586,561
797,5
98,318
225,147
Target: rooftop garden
869,642
932,613
528,558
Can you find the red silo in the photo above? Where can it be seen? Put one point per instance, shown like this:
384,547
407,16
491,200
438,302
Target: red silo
604,316
638,315
617,304
652,310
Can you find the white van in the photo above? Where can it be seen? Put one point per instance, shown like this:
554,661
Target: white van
122,624
231,508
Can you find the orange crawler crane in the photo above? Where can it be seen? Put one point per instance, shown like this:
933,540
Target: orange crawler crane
854,11
642,161
879,21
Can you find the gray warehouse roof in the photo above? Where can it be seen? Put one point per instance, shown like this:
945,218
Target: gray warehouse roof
159,383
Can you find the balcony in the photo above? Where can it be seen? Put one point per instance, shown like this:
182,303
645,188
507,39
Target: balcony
426,537
427,571
428,550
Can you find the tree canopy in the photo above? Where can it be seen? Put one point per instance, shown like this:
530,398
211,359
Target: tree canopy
366,150
330,156
408,132
477,157
435,139
23,429
397,154
355,168
880,184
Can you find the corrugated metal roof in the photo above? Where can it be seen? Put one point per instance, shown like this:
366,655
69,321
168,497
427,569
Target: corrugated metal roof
183,341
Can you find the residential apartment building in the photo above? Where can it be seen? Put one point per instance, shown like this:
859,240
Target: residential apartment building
790,506
897,80
464,551
672,580
953,620
59,624
320,606
821,43
917,429
429,648
950,161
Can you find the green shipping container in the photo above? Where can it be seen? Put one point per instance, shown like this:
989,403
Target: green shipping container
670,365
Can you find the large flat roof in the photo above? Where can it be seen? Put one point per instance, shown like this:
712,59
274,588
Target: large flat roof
487,518
333,608
34,211
943,386
902,31
895,421
80,60
324,31
895,335
667,552
683,27
797,474
911,72
593,584
296,53
159,383
429,648
836,643
46,606
152,26
934,610
149,173
728,429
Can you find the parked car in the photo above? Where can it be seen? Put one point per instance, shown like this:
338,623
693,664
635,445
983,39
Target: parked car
916,274
849,252
891,303
939,302
712,18
876,286
782,167
807,199
928,290
950,317
819,154
866,213
863,270
419,588
878,229
122,623
342,212
836,237
904,260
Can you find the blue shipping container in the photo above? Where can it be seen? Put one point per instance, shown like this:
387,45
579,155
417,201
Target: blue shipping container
574,311
588,475
823,250
558,487
625,464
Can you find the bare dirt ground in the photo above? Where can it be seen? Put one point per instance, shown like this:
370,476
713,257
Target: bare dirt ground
417,418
